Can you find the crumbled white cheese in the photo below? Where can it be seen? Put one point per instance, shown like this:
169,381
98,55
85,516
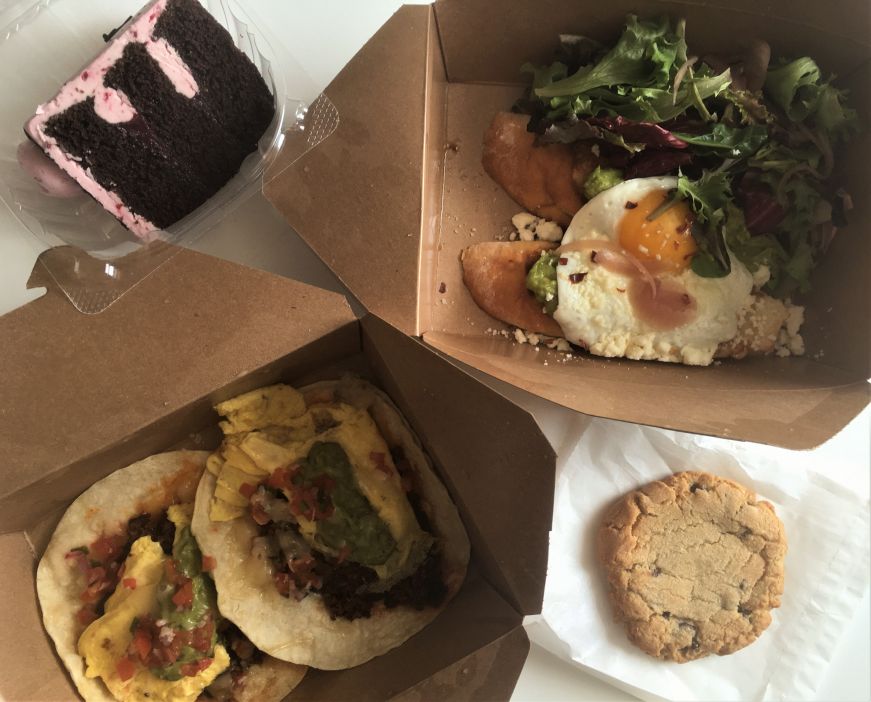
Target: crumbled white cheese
789,341
519,336
761,276
529,228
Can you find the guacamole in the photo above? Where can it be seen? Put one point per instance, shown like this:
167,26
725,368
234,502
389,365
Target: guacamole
541,280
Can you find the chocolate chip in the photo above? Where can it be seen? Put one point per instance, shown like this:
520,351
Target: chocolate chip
656,571
744,612
631,205
694,487
666,615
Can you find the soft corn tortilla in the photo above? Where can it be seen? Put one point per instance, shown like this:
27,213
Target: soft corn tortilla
149,485
303,632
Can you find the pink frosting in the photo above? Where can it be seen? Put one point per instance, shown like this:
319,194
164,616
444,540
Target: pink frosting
112,105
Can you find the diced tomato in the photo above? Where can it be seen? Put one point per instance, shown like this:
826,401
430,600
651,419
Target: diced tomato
86,615
126,668
201,637
191,669
247,489
142,643
167,654
107,548
281,478
129,583
184,596
209,564
171,570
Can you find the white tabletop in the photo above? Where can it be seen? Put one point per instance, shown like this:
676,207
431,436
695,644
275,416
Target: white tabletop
321,36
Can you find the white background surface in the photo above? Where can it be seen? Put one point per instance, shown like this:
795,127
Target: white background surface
322,35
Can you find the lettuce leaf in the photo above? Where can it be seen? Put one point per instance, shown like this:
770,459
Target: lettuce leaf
798,89
728,141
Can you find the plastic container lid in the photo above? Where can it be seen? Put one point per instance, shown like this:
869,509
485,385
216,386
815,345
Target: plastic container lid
94,259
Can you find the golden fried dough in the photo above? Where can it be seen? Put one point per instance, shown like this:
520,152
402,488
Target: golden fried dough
540,179
495,274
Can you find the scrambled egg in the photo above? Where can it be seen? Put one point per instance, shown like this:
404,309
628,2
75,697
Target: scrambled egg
250,457
106,640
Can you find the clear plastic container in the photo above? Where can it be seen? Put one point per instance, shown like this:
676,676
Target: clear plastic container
93,258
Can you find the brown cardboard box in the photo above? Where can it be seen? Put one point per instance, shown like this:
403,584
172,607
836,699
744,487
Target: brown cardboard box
81,396
390,200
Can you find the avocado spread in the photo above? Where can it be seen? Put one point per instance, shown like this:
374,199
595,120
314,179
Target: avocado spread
353,524
601,179
541,281
188,561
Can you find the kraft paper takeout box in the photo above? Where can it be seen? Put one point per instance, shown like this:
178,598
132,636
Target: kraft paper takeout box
81,396
394,195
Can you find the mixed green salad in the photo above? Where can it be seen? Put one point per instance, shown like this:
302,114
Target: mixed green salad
751,140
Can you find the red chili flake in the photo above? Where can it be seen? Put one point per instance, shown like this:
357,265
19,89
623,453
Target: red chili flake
191,669
184,596
85,75
577,277
209,564
247,489
105,96
683,227
126,668
129,583
593,256
563,260
442,288
631,205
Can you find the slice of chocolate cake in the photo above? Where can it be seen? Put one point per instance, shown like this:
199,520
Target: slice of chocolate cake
160,120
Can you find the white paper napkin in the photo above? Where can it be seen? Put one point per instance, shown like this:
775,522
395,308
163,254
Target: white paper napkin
827,563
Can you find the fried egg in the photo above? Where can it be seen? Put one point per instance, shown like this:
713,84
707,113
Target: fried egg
624,282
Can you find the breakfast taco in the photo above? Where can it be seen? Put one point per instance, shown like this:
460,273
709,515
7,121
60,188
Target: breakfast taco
127,597
333,539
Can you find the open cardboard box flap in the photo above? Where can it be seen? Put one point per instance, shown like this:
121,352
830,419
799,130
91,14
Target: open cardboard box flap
83,396
396,193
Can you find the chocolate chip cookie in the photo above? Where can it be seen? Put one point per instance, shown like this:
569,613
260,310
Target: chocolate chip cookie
694,565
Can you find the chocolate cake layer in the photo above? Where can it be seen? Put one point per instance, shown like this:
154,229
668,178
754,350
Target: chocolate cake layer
125,159
186,128
238,93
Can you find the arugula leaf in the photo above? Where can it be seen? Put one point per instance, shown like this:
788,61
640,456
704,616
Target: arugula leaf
735,141
708,195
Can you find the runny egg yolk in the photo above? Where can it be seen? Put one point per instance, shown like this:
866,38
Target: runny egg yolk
666,239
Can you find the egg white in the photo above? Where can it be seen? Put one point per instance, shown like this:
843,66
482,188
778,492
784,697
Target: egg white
596,312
